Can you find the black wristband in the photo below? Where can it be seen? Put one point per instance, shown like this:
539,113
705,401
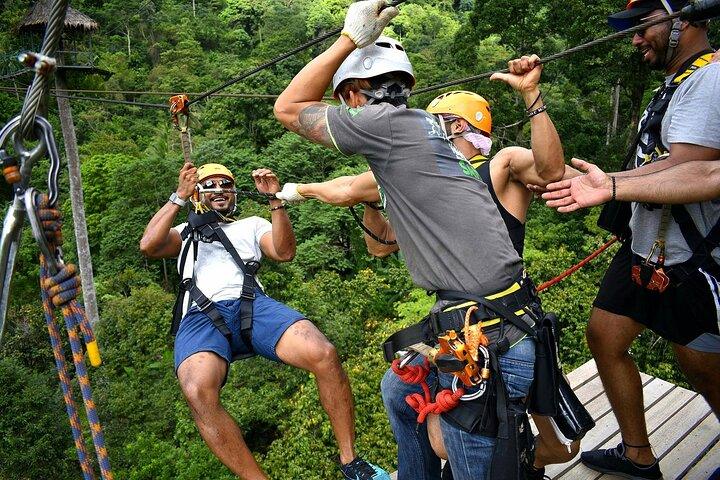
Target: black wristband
279,207
537,111
612,180
534,102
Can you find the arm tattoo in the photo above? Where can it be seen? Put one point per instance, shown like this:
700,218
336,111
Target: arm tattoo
311,124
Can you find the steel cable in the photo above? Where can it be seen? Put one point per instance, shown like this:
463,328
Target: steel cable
40,83
555,56
277,59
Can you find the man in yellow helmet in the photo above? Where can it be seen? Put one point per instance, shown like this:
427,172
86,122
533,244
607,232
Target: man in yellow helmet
222,313
466,120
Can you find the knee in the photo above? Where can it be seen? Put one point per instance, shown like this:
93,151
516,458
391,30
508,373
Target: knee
323,357
199,395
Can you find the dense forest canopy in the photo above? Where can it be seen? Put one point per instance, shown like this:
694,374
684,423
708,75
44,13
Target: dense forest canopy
130,158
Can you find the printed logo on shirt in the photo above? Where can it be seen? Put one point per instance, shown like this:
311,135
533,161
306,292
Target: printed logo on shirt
354,111
434,130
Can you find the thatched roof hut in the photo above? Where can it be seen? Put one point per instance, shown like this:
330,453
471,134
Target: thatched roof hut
75,21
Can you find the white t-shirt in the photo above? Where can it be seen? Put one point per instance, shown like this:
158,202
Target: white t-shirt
216,273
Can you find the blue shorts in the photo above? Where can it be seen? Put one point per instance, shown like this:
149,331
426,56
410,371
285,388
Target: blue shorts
270,321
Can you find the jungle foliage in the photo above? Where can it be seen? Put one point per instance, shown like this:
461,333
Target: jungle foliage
130,158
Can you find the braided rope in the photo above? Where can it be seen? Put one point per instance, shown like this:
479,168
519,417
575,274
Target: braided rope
41,84
66,386
577,266
445,400
61,290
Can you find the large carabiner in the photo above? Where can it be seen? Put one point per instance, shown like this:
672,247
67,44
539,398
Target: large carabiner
24,202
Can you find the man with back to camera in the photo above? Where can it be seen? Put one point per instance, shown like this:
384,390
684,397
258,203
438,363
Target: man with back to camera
424,179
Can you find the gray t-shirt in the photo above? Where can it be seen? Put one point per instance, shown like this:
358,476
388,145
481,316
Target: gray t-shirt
447,225
693,116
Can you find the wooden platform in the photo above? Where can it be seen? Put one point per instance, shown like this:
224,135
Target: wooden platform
684,432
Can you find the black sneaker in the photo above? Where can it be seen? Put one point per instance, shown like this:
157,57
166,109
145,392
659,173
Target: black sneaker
614,461
532,473
359,469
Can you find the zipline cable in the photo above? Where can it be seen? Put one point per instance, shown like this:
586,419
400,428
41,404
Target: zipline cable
277,59
709,6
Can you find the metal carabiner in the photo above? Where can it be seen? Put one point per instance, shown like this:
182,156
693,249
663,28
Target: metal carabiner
25,203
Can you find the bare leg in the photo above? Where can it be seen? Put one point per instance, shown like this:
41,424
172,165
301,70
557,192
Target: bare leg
609,336
703,372
201,376
343,191
548,448
304,346
435,435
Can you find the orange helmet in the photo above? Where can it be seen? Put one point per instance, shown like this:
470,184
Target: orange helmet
469,106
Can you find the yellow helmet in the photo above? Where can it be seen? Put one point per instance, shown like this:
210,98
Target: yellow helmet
469,106
212,170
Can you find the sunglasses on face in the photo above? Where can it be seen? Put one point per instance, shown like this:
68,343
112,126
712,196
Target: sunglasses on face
222,185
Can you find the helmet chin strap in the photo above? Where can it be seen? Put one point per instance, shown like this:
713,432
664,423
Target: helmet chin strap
673,41
674,37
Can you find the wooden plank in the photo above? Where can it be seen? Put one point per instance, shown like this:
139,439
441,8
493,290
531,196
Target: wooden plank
657,395
693,447
585,372
709,463
655,417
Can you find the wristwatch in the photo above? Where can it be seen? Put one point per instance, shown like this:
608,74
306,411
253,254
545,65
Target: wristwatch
175,198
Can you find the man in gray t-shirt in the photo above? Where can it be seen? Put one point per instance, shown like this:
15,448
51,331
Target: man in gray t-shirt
443,215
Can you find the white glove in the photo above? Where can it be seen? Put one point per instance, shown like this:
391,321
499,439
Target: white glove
290,193
365,20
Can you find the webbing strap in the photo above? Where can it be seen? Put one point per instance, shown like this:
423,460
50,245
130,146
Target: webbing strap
207,226
494,305
701,245
208,308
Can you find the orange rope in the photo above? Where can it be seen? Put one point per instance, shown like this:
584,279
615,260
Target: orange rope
576,267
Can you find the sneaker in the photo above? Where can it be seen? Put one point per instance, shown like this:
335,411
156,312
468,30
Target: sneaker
614,461
359,469
532,473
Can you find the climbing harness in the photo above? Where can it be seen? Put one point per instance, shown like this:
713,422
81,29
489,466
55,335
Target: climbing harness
206,228
60,284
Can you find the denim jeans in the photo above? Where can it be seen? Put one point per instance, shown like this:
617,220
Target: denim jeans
469,454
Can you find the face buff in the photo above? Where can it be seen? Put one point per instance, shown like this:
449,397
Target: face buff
479,141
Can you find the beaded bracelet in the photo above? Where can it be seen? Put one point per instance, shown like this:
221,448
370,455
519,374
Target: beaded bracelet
612,180
279,207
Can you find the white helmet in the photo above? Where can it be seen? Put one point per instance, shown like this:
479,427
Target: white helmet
384,56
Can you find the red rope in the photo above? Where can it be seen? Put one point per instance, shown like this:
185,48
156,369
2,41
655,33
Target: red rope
576,267
445,400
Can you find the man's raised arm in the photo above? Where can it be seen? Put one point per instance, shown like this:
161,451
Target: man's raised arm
159,239
546,163
299,107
